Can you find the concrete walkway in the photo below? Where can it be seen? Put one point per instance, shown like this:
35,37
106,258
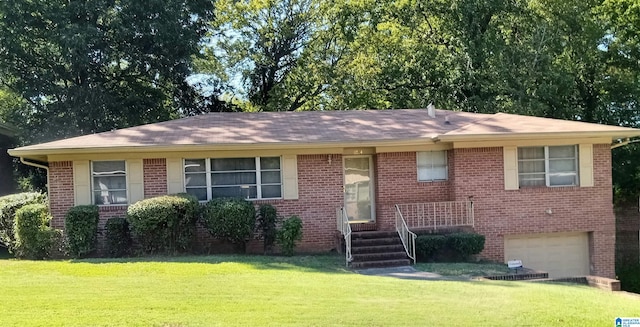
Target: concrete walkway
409,272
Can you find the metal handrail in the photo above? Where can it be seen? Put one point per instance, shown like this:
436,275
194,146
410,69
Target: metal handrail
345,228
438,214
407,237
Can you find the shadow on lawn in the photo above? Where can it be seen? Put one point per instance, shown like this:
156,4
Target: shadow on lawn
328,263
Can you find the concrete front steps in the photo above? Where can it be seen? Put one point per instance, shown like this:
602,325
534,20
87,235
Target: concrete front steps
377,249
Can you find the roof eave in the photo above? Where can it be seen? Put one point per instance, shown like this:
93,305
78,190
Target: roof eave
39,154
614,135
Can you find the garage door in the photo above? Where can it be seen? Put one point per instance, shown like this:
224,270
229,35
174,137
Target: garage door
559,254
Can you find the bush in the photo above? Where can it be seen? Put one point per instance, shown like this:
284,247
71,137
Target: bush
8,206
289,234
465,244
34,238
267,221
428,245
165,223
231,219
81,227
118,237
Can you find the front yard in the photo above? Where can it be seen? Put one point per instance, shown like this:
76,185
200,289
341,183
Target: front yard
276,291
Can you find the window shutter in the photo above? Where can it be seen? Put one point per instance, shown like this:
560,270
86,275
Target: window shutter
82,182
290,177
175,176
585,153
510,154
136,180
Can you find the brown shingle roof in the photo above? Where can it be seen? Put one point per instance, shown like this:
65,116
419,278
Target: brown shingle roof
309,127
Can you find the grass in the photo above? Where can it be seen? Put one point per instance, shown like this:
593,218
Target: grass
276,291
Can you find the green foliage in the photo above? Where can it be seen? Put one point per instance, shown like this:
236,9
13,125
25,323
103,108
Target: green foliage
231,219
267,221
466,244
449,247
8,206
118,237
164,223
629,276
34,238
82,68
428,245
289,234
81,227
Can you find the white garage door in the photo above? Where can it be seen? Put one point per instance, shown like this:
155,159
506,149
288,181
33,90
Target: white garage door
559,254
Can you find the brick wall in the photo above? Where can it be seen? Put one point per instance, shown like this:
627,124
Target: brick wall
397,182
155,177
60,191
498,212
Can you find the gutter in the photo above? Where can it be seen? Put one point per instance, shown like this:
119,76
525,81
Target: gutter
623,143
37,165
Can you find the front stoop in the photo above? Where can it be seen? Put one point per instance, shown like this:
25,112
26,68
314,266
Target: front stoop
377,249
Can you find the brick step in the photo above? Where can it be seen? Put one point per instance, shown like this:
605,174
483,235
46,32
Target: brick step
373,234
379,256
375,241
380,263
377,249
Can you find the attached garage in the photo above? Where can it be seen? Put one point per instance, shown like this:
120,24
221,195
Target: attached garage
559,254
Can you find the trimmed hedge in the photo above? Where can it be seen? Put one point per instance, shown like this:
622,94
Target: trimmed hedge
164,224
34,238
466,244
118,237
449,247
428,245
289,234
267,221
231,219
8,206
629,275
81,227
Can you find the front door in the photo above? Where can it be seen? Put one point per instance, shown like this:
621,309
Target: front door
358,188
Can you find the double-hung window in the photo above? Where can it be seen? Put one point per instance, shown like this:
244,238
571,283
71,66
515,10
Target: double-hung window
548,166
249,178
432,166
109,180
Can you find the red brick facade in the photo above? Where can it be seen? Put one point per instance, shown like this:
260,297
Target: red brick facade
477,173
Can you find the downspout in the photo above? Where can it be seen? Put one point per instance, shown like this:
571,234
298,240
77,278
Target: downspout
37,165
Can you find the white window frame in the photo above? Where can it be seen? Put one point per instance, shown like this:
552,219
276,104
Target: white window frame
430,166
547,173
209,185
126,183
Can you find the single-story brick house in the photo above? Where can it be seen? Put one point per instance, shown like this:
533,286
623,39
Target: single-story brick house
539,189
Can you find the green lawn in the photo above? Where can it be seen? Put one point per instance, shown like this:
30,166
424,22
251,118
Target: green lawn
275,291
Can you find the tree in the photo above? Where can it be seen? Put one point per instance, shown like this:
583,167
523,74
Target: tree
90,66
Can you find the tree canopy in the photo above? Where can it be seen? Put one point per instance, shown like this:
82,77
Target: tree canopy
76,67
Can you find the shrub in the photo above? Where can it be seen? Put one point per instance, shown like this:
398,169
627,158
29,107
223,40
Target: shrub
118,237
428,245
231,219
8,206
81,227
465,244
267,221
34,238
289,234
165,223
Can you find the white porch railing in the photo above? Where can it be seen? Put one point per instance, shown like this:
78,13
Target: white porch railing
344,228
437,214
408,237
